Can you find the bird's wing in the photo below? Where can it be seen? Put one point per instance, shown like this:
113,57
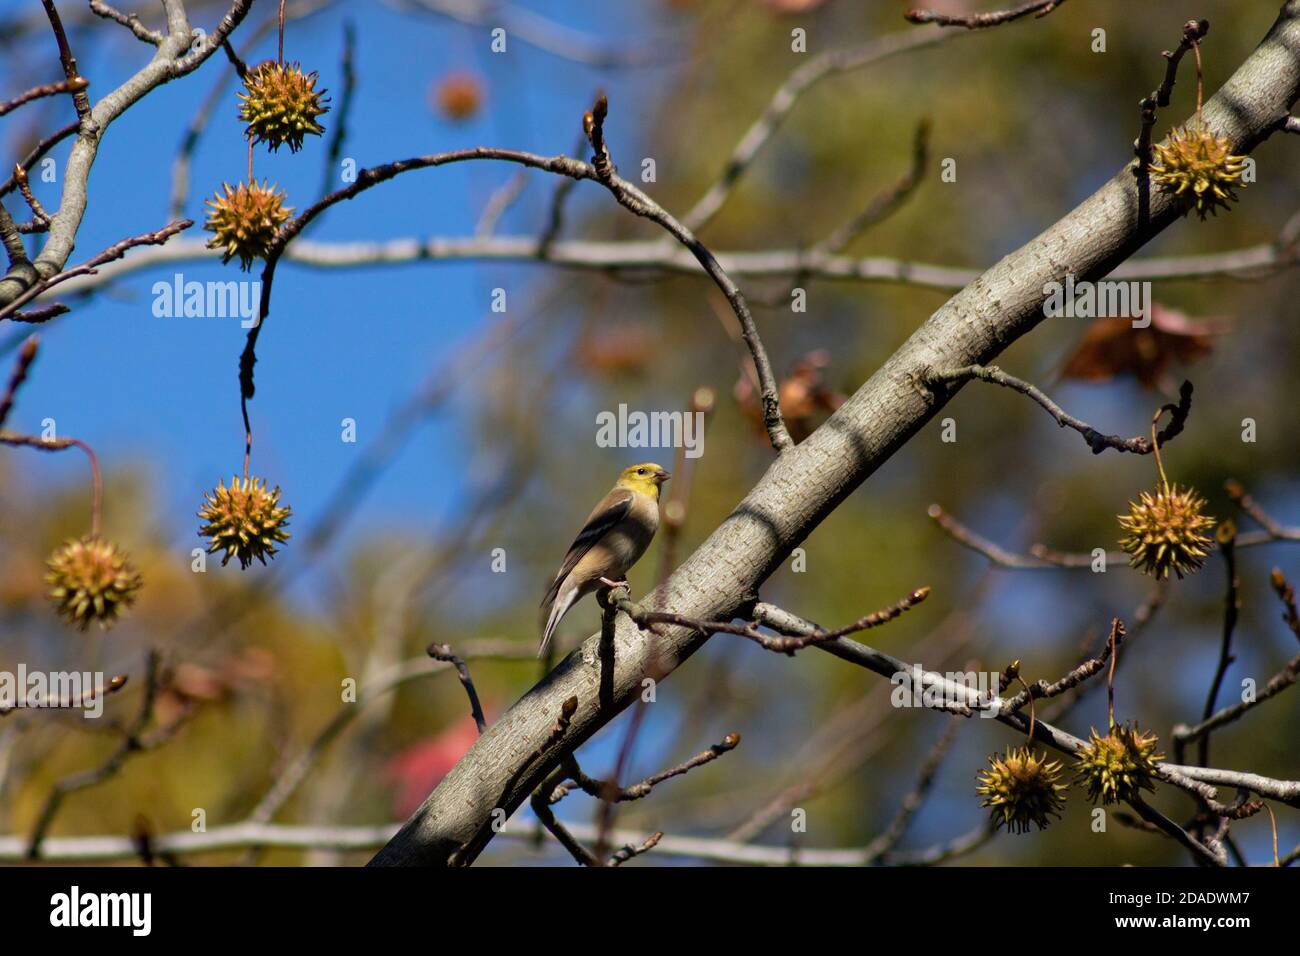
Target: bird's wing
613,508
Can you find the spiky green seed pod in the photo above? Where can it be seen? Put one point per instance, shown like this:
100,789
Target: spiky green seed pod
91,580
1022,788
279,105
1198,166
245,221
1119,766
245,521
1166,532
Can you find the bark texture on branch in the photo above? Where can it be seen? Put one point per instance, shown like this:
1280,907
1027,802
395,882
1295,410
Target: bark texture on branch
806,483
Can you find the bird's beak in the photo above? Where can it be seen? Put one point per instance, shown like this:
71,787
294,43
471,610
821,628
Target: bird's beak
663,476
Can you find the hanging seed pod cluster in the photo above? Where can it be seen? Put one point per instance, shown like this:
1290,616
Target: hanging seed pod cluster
245,521
1025,788
1119,766
1165,530
1198,167
1022,788
279,105
245,220
91,582
1195,164
91,579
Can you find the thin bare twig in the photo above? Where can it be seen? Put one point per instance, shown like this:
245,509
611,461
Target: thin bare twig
653,257
637,202
296,771
610,792
79,98
1198,850
972,700
73,85
502,198
1286,594
1040,556
42,218
43,314
339,135
897,828
1276,684
62,444
1227,535
555,211
1274,530
628,195
540,802
115,251
133,742
128,20
1193,32
546,816
1040,689
23,365
785,644
855,734
631,850
442,652
981,21
245,834
114,684
38,151
1098,442
1279,682
886,203
816,69
960,846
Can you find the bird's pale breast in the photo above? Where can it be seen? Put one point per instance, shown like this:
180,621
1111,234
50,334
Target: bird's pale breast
623,545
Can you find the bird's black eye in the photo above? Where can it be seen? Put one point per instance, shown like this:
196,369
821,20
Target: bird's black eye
640,471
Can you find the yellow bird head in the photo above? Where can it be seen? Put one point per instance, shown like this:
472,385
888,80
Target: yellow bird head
644,478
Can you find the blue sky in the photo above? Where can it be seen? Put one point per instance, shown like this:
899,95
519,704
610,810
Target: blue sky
345,344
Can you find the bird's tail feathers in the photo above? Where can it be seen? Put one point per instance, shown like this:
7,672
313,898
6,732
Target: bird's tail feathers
559,607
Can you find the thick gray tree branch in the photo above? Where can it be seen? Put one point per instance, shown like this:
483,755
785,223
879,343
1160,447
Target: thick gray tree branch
804,485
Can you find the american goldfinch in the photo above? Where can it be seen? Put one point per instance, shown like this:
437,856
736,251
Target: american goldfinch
616,534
